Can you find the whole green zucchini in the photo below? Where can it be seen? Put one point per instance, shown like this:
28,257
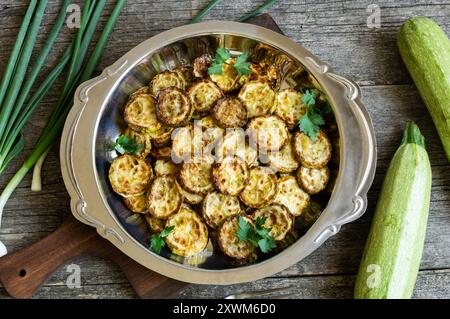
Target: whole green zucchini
425,49
393,251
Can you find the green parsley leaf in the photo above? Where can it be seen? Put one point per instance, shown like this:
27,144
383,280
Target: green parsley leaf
215,69
242,66
258,235
309,97
157,240
222,55
310,123
125,144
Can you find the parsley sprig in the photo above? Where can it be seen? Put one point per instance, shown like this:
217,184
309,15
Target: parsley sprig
125,144
312,120
157,241
257,235
242,66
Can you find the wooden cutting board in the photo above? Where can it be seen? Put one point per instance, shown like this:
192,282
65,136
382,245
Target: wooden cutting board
23,272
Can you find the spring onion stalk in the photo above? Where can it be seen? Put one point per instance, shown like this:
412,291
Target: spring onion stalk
21,66
16,51
205,11
258,10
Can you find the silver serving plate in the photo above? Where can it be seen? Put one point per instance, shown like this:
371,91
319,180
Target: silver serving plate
96,120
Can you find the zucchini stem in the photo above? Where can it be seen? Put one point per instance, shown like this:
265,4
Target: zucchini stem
412,134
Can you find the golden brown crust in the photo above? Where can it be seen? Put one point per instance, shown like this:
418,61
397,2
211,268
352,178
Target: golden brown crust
203,94
290,107
234,143
290,195
137,204
141,138
313,180
161,153
189,197
278,219
227,81
201,65
230,175
261,187
140,113
156,224
130,175
312,153
284,161
195,176
270,132
163,167
163,197
217,207
229,243
165,80
185,72
161,137
173,107
258,97
229,112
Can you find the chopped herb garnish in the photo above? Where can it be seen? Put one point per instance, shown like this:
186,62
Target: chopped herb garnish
312,120
125,144
242,66
257,235
157,241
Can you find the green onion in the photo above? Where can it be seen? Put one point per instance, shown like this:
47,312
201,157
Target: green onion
56,123
258,10
205,11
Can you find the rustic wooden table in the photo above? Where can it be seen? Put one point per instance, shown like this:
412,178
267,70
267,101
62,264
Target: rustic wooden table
335,30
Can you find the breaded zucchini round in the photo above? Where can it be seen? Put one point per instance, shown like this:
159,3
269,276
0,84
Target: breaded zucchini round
312,153
161,137
137,204
283,161
140,113
156,224
270,133
185,72
228,80
163,197
211,132
173,107
229,243
263,73
229,112
203,95
189,197
234,144
141,138
200,65
165,80
313,180
278,219
189,236
258,97
217,207
187,142
261,187
195,176
289,194
230,175
165,167
130,175
290,107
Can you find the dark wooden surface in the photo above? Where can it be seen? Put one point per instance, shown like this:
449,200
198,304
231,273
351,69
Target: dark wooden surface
336,31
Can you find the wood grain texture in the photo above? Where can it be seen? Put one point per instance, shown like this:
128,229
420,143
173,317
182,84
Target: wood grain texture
336,31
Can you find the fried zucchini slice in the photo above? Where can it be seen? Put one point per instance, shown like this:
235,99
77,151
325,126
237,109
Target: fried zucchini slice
258,97
261,187
269,132
284,161
165,167
189,236
185,72
156,224
189,197
230,175
163,197
137,204
187,142
278,220
234,144
312,153
229,243
203,95
141,138
140,113
217,207
229,112
195,176
228,80
200,65
162,136
130,175
263,73
211,133
165,80
173,107
289,194
290,107
161,153
313,180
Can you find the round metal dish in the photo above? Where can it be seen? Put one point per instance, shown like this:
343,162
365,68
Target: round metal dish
95,121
